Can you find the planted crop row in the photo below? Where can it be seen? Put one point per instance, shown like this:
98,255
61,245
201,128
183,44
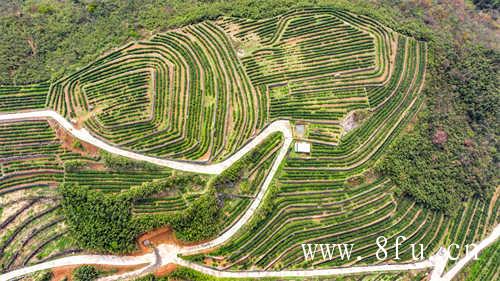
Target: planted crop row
181,94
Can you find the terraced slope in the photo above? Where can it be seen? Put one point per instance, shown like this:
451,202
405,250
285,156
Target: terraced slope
358,216
36,156
31,158
486,268
332,194
181,94
202,91
318,65
13,98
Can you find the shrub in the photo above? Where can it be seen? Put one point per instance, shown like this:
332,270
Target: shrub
85,273
77,144
73,165
44,276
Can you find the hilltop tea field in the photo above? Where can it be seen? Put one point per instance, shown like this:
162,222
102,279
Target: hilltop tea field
347,85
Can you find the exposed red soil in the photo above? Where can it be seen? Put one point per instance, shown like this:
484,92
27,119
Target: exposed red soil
158,236
208,261
370,176
166,269
96,166
164,235
494,198
411,125
206,156
64,271
67,141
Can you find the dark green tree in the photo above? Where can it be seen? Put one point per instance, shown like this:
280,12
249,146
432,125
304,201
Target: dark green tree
85,273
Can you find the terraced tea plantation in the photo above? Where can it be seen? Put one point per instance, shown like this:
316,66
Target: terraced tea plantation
348,84
200,92
31,162
35,157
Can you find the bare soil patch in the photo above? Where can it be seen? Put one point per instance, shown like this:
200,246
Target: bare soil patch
206,156
68,142
61,272
166,269
164,235
494,198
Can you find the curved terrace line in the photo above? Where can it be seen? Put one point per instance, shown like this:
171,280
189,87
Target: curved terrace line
166,254
276,126
83,134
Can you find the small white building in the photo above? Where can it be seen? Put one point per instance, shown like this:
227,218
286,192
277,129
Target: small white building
302,147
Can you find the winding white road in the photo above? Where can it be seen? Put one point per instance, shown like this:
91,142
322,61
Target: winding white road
282,126
492,238
77,260
169,253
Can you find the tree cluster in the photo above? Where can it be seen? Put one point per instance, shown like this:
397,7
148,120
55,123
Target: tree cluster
452,153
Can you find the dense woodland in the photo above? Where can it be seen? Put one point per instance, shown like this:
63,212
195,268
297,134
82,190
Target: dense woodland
452,153
104,222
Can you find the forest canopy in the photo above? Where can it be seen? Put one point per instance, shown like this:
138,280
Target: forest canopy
105,222
452,154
